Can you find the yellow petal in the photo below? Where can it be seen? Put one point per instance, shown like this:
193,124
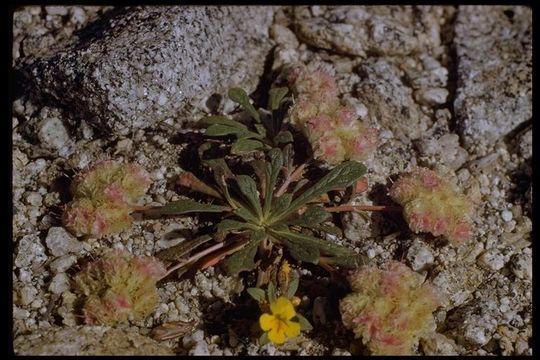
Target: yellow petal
292,329
283,308
276,335
267,322
285,267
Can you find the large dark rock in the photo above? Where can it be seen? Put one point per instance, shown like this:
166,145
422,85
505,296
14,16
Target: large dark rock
139,66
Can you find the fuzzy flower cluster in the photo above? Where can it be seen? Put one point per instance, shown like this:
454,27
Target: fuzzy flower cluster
119,287
389,309
333,130
103,198
430,204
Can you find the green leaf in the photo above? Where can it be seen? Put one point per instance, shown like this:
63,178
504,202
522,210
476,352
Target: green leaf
222,120
275,97
308,241
263,339
177,252
313,216
351,261
281,203
293,286
246,215
242,260
244,146
184,207
304,323
222,130
239,96
219,166
272,173
300,252
204,147
329,228
271,291
248,187
228,225
258,235
259,168
221,172
300,184
261,129
284,137
343,175
256,293
249,135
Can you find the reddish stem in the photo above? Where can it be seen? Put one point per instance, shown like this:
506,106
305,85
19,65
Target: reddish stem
362,208
292,177
193,258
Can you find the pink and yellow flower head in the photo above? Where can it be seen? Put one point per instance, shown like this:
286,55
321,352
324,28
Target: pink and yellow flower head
389,309
279,324
332,129
430,204
118,287
104,196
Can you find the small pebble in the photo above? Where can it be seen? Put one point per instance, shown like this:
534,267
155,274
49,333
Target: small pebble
60,242
492,260
506,215
521,266
419,255
62,263
27,294
59,284
198,336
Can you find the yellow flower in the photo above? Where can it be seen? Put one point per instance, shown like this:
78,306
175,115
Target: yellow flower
285,267
279,325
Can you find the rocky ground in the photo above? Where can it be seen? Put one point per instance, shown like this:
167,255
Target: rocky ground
448,87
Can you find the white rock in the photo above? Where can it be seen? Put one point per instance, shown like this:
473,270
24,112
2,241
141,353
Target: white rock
30,252
20,314
56,10
37,303
78,15
62,263
59,283
60,242
419,255
284,36
53,134
521,347
198,336
432,96
479,334
506,215
33,198
201,348
25,276
521,265
492,260
27,294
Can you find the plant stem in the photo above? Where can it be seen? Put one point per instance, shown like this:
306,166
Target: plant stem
289,179
193,258
362,208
